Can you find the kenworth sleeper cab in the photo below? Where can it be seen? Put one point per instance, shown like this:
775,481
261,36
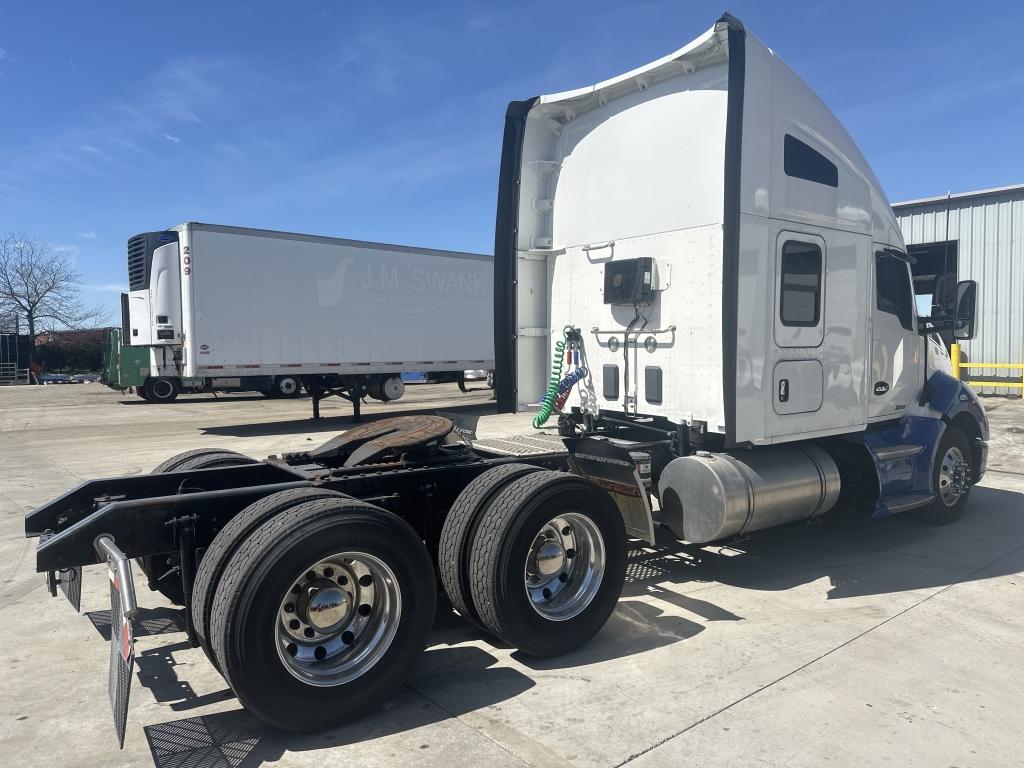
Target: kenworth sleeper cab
699,287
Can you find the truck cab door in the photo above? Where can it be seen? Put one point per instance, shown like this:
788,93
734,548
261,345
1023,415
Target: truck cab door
896,369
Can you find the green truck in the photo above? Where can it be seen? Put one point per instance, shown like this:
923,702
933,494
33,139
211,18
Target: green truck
123,367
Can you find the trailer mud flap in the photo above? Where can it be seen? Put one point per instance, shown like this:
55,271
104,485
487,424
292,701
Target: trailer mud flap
611,468
122,634
69,580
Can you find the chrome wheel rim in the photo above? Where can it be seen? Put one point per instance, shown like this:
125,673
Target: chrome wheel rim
338,618
954,477
564,566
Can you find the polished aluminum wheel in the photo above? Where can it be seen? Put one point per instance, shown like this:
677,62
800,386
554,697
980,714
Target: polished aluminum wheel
565,566
338,618
954,476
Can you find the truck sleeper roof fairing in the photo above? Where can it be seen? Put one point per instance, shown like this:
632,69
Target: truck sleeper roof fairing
685,160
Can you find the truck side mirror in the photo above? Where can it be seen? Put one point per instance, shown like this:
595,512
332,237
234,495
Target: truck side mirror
966,307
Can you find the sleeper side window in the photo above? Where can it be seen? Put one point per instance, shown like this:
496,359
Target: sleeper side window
802,161
800,295
892,287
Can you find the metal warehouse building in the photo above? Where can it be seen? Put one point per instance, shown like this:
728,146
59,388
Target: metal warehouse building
980,236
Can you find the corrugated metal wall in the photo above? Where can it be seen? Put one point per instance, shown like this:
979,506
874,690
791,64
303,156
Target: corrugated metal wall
990,234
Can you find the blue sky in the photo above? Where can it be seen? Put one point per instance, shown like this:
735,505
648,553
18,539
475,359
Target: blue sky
383,120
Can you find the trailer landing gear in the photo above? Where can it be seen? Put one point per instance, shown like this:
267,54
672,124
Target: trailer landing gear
354,394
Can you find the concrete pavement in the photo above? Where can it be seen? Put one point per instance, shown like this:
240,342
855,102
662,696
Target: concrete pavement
845,643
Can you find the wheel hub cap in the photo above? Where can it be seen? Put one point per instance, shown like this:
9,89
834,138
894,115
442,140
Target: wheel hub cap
954,476
549,558
326,606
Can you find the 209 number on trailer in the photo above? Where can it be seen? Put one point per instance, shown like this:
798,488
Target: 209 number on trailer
321,612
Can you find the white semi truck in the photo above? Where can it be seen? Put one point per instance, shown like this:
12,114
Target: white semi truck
698,279
228,308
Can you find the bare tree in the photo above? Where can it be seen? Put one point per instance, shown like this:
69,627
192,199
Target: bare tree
8,319
40,285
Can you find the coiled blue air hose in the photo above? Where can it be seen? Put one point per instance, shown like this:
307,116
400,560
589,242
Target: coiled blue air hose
570,381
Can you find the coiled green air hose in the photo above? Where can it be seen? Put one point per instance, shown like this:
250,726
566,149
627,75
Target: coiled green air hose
548,404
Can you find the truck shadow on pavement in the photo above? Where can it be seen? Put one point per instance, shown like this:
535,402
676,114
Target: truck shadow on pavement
856,557
871,557
239,740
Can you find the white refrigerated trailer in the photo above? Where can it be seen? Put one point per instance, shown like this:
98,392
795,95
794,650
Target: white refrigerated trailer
223,308
696,269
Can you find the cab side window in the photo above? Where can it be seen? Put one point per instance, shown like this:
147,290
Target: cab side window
892,286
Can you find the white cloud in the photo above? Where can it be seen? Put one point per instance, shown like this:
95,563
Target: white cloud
5,56
90,235
65,248
175,139
106,287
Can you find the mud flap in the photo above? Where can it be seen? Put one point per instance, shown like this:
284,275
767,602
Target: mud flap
69,580
611,468
122,634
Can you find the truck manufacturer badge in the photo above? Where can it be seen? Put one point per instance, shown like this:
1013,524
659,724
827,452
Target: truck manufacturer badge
881,387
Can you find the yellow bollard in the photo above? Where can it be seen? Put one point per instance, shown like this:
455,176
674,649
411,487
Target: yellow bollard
954,358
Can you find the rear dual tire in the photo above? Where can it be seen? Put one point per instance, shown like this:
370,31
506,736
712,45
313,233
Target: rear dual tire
546,559
283,662
226,543
163,572
459,529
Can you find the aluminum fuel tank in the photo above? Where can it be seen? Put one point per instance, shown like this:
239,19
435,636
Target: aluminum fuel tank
711,496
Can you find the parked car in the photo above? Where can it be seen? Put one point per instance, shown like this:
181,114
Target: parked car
56,378
85,378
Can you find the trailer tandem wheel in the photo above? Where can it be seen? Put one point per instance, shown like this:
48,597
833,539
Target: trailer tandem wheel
285,387
547,562
163,571
457,533
321,612
161,389
226,543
